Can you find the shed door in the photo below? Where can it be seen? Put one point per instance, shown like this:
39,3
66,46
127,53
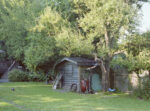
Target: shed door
96,82
70,75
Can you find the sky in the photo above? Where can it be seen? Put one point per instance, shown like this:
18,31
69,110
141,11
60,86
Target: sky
145,20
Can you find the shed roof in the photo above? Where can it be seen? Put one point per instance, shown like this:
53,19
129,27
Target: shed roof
78,61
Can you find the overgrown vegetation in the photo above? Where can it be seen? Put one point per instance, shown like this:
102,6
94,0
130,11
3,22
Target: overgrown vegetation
18,75
37,33
143,92
137,50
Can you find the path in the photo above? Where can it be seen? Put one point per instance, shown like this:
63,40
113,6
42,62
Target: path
16,105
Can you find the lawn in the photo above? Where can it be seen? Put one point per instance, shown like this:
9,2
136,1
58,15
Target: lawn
40,97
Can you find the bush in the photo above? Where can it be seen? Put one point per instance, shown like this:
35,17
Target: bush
37,77
17,75
144,92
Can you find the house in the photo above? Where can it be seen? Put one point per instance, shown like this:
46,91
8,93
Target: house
74,70
1,51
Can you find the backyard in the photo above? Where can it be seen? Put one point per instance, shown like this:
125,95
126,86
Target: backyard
40,97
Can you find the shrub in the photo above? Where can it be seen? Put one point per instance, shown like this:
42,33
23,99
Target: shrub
17,75
144,91
37,77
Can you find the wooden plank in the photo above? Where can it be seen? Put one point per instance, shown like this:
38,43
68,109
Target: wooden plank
70,75
79,78
58,78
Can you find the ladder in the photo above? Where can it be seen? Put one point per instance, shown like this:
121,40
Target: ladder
58,78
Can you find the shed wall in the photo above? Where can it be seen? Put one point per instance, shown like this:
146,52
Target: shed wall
70,74
122,80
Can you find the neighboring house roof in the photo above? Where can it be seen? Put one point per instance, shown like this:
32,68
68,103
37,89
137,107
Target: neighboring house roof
78,61
1,51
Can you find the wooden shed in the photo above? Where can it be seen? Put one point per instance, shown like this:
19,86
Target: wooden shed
73,70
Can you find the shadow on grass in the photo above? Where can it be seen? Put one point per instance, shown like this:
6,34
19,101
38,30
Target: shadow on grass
4,106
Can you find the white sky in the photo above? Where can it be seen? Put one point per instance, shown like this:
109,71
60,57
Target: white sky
145,21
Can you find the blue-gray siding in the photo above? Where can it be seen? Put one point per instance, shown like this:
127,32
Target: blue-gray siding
70,73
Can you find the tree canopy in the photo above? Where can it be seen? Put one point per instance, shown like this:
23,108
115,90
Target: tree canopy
35,32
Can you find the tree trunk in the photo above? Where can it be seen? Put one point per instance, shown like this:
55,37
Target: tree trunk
105,76
104,83
105,64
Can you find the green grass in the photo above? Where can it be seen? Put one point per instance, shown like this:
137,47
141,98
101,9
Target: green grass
40,97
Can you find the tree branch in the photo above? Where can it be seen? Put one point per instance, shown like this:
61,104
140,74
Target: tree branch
118,52
100,62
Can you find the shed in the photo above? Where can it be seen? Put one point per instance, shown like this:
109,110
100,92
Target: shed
73,70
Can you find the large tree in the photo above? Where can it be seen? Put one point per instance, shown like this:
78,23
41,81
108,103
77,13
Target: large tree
105,22
37,31
53,37
16,19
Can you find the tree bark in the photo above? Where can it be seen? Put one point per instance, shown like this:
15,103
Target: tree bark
106,78
107,65
107,41
105,75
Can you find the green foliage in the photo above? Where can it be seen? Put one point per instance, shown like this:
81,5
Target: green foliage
111,17
17,17
144,91
2,56
36,32
137,49
17,75
73,43
42,38
2,48
65,9
39,51
37,77
134,63
136,43
138,3
52,35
